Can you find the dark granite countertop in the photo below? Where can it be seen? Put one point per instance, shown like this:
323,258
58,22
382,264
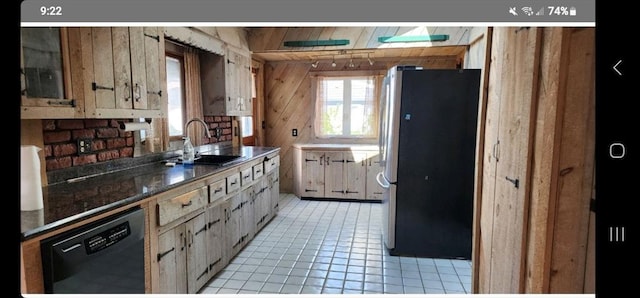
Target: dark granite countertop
69,202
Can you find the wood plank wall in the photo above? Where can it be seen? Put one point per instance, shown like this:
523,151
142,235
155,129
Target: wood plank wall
273,38
555,220
289,104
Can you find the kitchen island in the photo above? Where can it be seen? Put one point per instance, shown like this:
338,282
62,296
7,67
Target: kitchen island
156,188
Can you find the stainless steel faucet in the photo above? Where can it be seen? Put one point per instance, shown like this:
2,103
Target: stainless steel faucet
204,124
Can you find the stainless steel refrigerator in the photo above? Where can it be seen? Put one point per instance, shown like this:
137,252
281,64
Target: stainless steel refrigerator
428,125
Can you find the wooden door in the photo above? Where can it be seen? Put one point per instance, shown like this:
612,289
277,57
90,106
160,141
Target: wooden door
248,224
274,188
215,237
374,190
197,265
234,225
138,62
512,82
313,183
153,54
335,185
172,256
355,174
231,83
103,83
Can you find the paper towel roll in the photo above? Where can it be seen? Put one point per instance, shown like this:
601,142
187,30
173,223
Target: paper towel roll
30,180
131,126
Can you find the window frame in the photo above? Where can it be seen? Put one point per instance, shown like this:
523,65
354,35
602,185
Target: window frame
378,76
176,51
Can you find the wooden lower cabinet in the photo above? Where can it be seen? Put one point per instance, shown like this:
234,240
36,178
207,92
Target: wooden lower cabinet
274,192
261,204
234,225
216,230
182,257
195,244
336,173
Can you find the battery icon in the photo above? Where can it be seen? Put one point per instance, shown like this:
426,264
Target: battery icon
572,11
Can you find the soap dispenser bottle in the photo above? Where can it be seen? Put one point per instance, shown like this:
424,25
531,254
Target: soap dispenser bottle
188,152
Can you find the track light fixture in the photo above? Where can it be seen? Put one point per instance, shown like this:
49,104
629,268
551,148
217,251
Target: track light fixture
333,62
351,63
315,64
369,59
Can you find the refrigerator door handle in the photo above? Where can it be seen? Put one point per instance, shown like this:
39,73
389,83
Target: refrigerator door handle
379,179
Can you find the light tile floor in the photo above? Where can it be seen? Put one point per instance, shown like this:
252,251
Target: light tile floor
316,247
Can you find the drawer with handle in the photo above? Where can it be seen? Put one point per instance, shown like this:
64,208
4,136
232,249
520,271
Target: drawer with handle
217,190
174,208
271,164
245,176
233,182
258,171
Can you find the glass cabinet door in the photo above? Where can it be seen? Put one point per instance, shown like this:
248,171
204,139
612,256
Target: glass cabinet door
42,63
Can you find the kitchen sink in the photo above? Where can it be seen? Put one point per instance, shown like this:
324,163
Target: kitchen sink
211,159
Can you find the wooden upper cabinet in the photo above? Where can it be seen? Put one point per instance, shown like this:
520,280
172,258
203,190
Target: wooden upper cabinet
51,73
124,75
226,83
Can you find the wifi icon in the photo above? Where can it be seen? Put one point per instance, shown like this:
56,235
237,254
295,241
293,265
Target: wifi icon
527,10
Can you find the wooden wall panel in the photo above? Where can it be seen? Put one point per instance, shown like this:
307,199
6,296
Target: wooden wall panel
547,136
289,104
480,58
535,238
513,78
575,168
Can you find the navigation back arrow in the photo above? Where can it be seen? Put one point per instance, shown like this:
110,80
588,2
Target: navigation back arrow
615,67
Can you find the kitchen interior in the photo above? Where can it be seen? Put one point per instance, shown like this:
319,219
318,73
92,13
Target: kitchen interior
307,160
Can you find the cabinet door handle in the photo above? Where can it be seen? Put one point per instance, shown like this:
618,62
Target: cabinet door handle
217,190
187,204
348,191
136,92
230,62
308,160
310,190
496,150
258,171
183,239
127,91
348,161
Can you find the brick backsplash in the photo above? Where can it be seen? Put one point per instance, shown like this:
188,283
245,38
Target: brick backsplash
214,122
108,142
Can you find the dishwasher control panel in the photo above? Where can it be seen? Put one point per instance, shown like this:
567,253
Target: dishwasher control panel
107,238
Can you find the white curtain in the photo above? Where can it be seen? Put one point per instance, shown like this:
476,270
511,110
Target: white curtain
361,112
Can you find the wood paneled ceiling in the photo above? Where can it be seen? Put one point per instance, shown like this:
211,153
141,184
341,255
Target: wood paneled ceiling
374,54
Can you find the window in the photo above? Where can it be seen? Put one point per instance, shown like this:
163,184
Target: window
246,122
175,90
346,107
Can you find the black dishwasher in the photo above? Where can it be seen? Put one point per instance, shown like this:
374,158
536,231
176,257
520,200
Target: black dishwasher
105,257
